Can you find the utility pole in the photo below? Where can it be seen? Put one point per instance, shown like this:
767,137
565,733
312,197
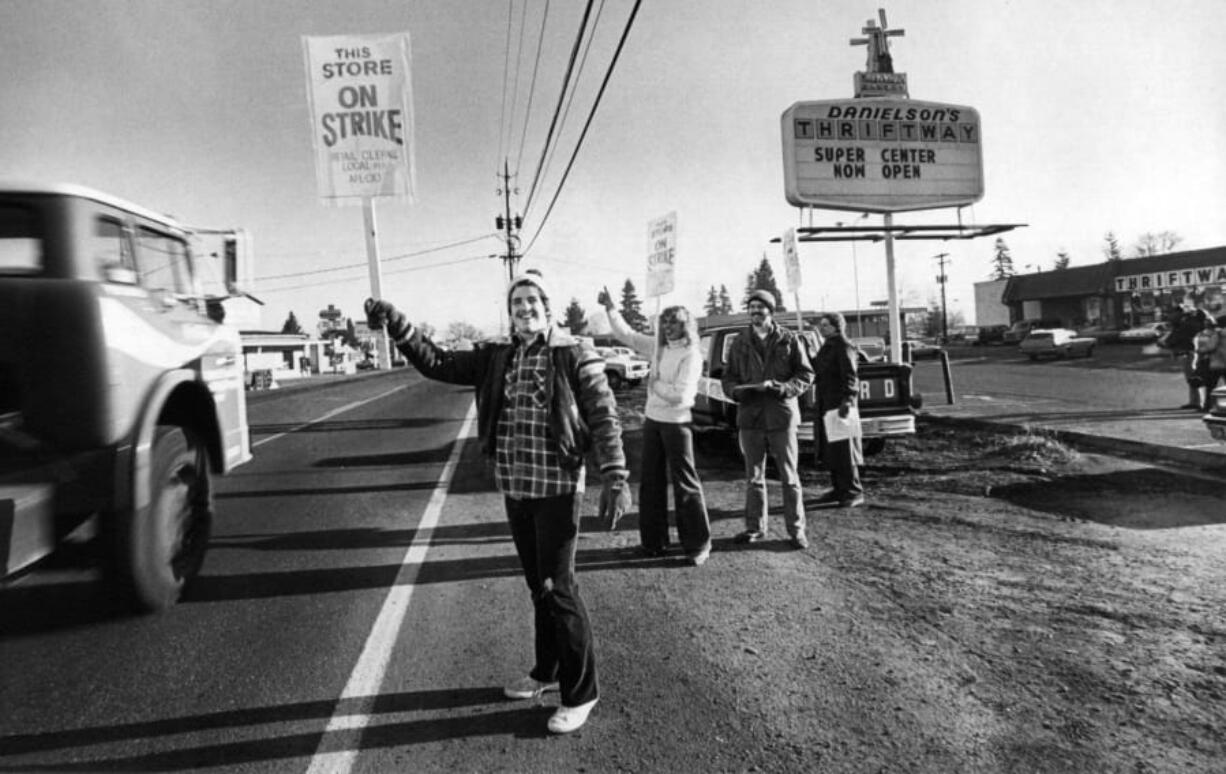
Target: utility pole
508,224
941,278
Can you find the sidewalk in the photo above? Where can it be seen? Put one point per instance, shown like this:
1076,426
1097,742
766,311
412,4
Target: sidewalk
1171,436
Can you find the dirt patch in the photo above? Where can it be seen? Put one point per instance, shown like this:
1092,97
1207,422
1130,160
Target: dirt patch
1002,603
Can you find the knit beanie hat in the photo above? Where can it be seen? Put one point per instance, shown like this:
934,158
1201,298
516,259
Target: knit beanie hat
529,277
765,296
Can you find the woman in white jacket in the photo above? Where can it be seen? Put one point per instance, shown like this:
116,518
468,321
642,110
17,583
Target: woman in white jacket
668,435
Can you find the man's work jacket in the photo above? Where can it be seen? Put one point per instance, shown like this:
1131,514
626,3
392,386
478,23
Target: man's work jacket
582,409
751,360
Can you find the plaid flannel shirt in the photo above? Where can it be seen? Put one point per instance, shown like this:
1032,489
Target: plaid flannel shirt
526,464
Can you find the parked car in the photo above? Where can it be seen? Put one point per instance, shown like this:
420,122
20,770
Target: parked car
1020,329
1145,333
922,348
871,347
963,334
622,369
1056,342
1215,420
991,334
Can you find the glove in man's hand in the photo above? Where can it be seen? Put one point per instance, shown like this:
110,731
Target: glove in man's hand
615,500
380,313
844,410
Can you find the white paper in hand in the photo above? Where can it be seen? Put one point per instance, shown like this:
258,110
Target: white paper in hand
841,428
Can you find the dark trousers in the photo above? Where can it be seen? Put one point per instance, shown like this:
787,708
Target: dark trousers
668,456
545,532
844,473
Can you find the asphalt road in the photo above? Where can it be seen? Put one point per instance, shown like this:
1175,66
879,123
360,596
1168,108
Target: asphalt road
275,660
320,637
1117,376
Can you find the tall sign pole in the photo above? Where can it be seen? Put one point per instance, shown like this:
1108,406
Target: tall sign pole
882,152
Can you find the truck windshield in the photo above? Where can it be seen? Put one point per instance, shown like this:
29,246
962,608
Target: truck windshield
20,242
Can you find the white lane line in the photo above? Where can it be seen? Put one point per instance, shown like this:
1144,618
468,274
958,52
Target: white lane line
329,415
356,701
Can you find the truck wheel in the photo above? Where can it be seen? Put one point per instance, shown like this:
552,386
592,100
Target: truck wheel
615,380
161,547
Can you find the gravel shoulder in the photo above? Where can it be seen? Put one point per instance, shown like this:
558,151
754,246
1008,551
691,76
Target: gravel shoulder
1002,603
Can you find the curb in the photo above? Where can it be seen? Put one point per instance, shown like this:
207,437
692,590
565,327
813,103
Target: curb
1115,447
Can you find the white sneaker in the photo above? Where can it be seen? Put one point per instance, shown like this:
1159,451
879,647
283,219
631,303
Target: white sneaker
527,688
568,719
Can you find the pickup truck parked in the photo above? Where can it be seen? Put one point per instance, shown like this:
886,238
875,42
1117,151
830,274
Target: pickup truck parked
887,404
623,367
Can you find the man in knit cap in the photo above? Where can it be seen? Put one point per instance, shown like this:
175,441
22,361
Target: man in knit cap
542,403
767,370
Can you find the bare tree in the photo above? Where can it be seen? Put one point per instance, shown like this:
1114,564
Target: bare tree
1156,244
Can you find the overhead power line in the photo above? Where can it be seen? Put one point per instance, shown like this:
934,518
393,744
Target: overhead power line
532,87
364,264
570,99
405,270
557,111
591,115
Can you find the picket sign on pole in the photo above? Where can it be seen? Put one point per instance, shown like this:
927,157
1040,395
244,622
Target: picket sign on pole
360,98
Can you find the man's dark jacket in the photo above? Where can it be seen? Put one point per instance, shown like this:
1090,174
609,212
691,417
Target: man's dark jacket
835,366
780,357
582,409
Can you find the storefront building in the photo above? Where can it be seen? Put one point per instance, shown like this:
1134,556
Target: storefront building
1119,294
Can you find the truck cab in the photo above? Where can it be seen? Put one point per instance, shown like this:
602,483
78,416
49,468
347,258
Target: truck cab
887,404
121,391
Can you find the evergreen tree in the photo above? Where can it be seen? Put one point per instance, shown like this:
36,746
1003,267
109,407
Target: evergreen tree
576,319
291,325
1002,262
631,308
763,278
712,305
1112,247
725,300
1062,260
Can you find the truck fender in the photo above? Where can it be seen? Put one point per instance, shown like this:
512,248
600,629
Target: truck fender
136,483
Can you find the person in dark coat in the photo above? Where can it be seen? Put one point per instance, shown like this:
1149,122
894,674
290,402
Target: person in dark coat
767,370
838,390
542,401
1186,322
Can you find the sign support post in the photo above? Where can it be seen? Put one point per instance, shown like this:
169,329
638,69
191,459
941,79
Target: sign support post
376,274
895,316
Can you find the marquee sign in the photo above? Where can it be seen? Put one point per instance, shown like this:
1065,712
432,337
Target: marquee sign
881,155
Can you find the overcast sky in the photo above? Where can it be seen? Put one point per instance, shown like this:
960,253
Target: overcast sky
1096,116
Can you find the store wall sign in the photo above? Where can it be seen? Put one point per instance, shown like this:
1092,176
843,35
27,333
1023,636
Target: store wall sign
1177,278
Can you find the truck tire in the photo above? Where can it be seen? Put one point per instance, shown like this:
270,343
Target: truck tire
160,548
874,445
615,380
